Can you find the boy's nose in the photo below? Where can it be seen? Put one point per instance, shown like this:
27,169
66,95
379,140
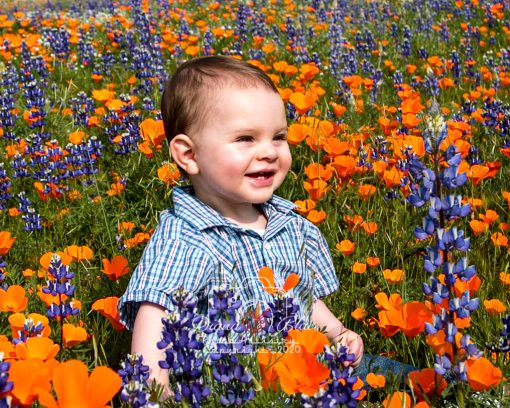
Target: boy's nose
267,151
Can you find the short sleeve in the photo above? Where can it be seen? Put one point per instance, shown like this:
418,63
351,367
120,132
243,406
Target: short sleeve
166,265
320,264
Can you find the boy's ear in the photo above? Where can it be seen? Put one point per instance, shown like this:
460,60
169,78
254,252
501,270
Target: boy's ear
182,150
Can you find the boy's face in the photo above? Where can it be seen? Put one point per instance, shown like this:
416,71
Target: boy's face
241,150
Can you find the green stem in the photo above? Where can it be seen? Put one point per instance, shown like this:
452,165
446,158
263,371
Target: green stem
459,391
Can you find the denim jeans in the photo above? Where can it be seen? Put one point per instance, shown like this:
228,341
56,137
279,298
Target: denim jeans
384,366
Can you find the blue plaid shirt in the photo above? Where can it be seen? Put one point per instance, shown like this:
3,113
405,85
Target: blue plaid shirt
196,248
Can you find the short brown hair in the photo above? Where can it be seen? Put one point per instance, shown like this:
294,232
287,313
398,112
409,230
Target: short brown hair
184,100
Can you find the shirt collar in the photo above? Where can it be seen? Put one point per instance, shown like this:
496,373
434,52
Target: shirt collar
200,215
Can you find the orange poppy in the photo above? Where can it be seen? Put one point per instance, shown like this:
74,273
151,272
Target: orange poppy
397,399
482,374
30,378
506,196
267,361
102,95
346,247
168,173
365,191
126,226
316,217
75,388
338,109
297,133
300,372
410,120
115,268
359,314
446,83
411,105
392,177
304,206
427,383
6,241
152,131
499,239
494,306
46,258
345,166
505,278
395,316
376,380
393,276
370,227
353,222
477,173
489,217
79,253
303,102
373,261
316,189
477,227
76,137
318,171
42,348
266,277
335,147
415,142
139,238
7,348
460,286
312,340
387,125
353,81
73,335
359,268
107,307
13,299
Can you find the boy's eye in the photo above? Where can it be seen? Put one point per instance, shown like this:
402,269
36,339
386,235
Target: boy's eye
281,136
244,139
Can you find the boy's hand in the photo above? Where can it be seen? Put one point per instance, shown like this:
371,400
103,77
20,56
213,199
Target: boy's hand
354,343
336,331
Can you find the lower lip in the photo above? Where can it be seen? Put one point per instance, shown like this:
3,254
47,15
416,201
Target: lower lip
261,181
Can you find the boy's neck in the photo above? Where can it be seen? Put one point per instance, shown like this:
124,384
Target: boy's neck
256,220
245,215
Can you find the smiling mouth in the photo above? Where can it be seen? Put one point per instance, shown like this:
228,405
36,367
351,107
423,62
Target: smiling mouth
263,175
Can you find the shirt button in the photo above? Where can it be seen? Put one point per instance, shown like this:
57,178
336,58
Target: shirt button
267,245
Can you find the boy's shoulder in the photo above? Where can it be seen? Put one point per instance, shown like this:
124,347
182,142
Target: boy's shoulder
189,217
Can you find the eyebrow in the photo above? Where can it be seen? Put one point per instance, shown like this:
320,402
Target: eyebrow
254,130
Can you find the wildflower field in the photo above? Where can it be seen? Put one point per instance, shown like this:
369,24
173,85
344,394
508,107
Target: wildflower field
399,125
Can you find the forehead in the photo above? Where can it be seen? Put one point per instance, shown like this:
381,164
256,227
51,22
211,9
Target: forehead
245,99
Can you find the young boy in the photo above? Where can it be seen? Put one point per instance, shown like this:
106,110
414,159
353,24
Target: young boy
227,129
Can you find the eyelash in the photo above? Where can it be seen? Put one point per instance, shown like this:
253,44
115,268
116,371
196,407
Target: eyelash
280,137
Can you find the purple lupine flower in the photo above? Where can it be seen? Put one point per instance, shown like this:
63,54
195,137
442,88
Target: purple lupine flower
282,315
183,344
234,381
339,390
5,188
29,215
427,187
134,376
30,329
503,345
59,285
5,384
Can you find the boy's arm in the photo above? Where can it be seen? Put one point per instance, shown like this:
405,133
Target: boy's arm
336,331
146,333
